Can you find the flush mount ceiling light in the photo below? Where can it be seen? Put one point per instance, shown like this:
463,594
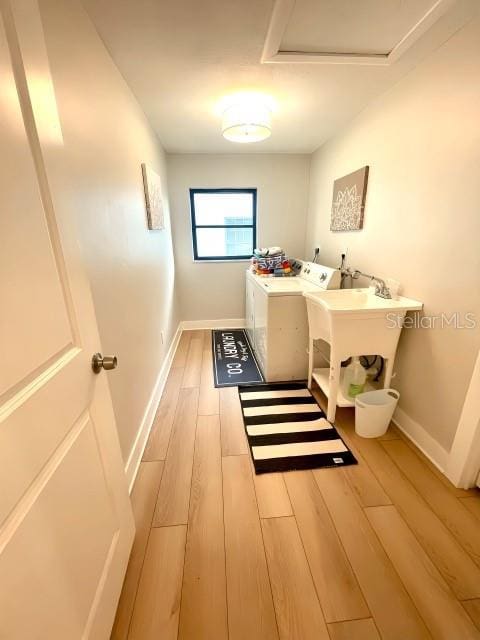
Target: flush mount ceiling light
246,122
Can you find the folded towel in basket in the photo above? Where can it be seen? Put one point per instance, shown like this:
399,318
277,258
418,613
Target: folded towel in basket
269,252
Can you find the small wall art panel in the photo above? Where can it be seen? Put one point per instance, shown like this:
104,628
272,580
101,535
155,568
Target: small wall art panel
348,202
152,185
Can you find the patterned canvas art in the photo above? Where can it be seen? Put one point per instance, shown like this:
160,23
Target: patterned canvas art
348,204
152,185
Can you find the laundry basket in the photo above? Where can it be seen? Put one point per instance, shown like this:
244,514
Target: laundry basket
373,412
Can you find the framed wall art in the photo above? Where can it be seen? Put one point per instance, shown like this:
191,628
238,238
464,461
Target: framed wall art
348,204
152,186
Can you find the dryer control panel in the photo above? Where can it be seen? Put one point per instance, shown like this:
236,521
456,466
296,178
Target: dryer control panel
322,276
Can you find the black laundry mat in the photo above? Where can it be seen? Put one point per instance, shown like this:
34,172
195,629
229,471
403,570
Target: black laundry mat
233,360
287,430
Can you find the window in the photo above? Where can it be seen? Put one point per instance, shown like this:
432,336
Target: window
224,223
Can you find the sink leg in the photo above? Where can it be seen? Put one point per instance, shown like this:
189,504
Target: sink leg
388,373
333,390
310,363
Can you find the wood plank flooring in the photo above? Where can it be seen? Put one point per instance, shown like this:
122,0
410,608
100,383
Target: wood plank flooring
144,496
296,604
354,630
204,604
385,550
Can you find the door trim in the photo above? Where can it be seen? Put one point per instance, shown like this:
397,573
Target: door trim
463,462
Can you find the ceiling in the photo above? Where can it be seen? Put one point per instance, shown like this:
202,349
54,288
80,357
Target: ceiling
182,58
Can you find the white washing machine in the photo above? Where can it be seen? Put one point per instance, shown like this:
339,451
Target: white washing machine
276,318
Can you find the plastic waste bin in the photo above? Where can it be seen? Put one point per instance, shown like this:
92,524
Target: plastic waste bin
373,412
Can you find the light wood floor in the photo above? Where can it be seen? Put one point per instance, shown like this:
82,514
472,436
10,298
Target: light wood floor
384,549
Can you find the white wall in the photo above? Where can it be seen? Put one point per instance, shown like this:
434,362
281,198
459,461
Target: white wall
422,221
216,290
106,138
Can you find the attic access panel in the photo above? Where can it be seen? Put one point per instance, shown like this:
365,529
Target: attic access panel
348,31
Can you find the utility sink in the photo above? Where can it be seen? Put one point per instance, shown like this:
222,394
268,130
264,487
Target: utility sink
360,301
353,322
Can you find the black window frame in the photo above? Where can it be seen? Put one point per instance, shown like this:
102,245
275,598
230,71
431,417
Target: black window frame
195,226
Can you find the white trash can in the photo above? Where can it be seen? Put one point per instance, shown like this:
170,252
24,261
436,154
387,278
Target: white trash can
373,412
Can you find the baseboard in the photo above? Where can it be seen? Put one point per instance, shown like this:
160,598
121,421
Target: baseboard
421,439
136,454
135,457
228,323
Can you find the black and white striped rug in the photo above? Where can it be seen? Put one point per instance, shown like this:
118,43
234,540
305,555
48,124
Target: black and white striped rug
287,430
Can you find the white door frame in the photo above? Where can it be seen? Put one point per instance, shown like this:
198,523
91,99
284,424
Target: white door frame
463,463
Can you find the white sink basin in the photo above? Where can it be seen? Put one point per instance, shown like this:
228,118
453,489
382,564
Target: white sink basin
356,321
360,300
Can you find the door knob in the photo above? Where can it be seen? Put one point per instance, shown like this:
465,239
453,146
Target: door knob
100,362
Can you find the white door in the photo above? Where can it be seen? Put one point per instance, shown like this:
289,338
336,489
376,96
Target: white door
66,525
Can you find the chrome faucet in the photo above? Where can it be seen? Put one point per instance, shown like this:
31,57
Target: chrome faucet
381,289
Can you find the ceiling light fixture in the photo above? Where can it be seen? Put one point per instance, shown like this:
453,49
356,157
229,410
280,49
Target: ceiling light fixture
246,121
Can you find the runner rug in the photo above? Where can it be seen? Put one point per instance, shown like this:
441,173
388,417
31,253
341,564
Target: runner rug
287,430
233,359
